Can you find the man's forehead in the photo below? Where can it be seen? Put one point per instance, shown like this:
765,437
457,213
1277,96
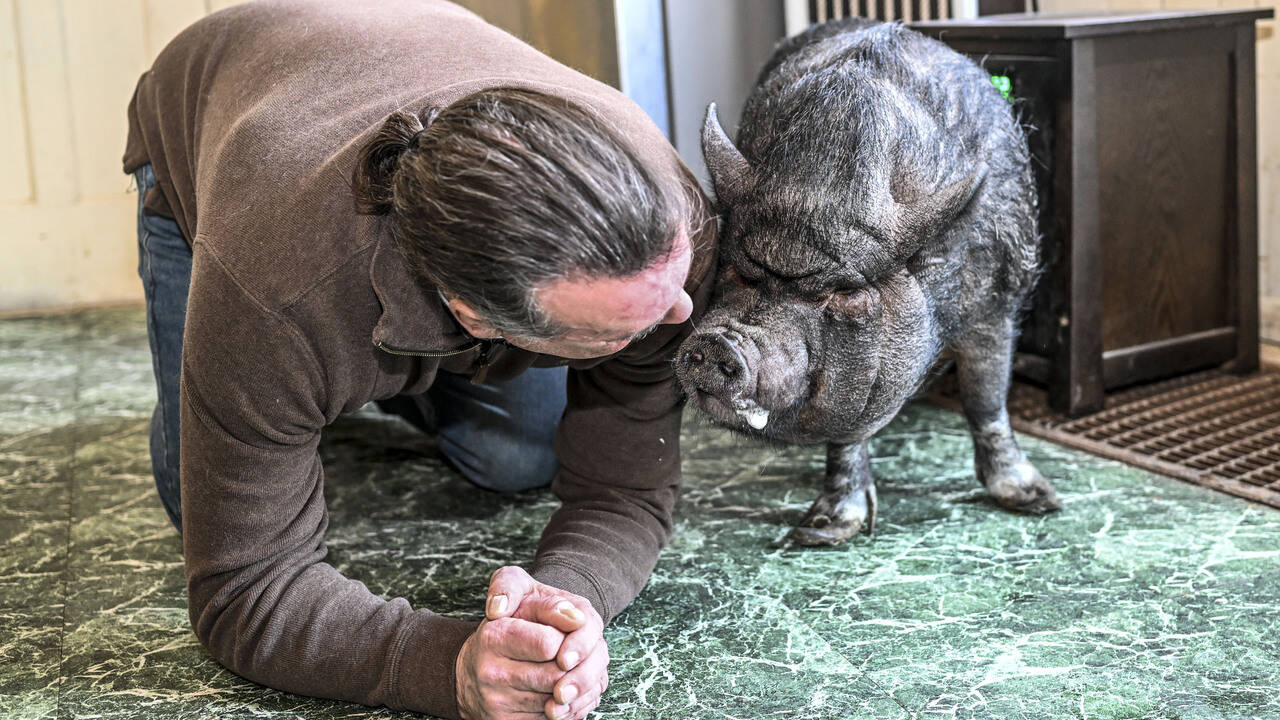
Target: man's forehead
620,306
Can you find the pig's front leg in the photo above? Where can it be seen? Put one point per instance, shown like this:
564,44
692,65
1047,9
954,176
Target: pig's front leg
984,363
848,501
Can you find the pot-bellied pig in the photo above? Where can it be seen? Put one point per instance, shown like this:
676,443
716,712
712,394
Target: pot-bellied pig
879,216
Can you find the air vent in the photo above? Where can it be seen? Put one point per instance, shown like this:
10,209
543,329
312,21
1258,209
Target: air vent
1213,428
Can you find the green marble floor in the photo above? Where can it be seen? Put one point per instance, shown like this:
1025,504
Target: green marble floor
1143,598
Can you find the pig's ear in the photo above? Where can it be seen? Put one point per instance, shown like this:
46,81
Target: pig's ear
919,219
730,173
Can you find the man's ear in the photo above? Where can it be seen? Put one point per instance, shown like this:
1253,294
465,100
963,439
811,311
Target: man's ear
471,321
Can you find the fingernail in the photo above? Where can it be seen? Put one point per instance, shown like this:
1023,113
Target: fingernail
497,605
568,693
570,612
561,711
571,662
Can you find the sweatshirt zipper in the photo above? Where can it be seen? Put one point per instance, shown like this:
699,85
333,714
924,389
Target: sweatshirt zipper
482,363
383,346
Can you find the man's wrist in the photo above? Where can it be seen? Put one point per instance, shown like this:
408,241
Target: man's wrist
424,679
570,579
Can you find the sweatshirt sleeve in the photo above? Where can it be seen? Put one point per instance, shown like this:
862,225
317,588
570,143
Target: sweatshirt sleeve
261,598
619,450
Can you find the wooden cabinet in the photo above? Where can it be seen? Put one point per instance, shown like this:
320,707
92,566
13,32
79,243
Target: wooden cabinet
1142,129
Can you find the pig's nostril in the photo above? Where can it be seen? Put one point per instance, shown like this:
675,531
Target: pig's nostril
712,363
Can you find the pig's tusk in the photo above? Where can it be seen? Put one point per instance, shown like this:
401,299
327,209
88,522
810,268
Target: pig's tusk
757,417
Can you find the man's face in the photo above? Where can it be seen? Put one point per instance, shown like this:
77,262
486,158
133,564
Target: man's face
605,315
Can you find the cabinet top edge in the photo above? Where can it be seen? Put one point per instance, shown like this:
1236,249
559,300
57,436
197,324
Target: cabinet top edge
1086,24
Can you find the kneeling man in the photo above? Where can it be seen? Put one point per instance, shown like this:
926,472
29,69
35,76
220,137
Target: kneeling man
388,200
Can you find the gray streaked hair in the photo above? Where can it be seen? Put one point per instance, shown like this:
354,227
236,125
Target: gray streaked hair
507,190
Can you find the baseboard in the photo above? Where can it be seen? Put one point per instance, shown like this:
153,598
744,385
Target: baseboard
64,309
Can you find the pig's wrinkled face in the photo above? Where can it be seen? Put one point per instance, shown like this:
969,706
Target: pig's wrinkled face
798,347
820,328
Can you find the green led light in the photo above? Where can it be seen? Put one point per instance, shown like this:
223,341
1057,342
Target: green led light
1004,84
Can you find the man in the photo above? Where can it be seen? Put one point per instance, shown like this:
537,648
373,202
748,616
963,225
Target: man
344,202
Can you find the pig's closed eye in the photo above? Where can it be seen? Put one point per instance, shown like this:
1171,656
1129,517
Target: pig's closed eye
853,303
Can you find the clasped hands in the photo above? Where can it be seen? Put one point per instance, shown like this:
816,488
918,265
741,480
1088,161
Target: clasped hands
539,654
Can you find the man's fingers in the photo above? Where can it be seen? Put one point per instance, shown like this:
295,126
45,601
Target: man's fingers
556,610
583,641
507,589
575,710
518,701
495,711
539,677
588,679
522,640
534,677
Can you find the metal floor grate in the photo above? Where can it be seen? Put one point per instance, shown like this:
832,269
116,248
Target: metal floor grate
1212,428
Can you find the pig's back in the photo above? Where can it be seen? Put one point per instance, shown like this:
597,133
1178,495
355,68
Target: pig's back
835,103
833,77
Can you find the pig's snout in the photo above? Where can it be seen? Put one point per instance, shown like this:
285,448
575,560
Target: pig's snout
714,362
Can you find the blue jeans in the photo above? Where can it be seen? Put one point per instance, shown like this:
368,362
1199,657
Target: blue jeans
497,434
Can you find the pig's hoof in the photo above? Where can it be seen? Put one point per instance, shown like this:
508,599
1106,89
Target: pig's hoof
832,519
1024,489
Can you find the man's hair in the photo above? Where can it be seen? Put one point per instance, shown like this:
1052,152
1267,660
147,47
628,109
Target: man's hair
506,190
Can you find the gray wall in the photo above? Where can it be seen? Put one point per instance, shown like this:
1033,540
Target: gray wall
642,65
714,50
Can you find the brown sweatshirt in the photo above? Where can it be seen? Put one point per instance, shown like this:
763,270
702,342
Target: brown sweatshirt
301,310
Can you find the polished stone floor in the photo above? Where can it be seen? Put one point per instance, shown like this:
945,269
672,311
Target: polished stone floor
1143,598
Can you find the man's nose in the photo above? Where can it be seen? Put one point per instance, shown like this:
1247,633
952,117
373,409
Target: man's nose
680,311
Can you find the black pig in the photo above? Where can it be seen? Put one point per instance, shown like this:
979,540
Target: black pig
879,218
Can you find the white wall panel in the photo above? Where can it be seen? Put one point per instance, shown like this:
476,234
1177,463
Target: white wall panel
106,51
48,105
1191,4
215,5
68,255
167,18
15,180
67,70
1268,45
1268,38
1269,184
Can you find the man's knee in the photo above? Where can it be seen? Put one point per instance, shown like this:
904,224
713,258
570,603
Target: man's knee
508,465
